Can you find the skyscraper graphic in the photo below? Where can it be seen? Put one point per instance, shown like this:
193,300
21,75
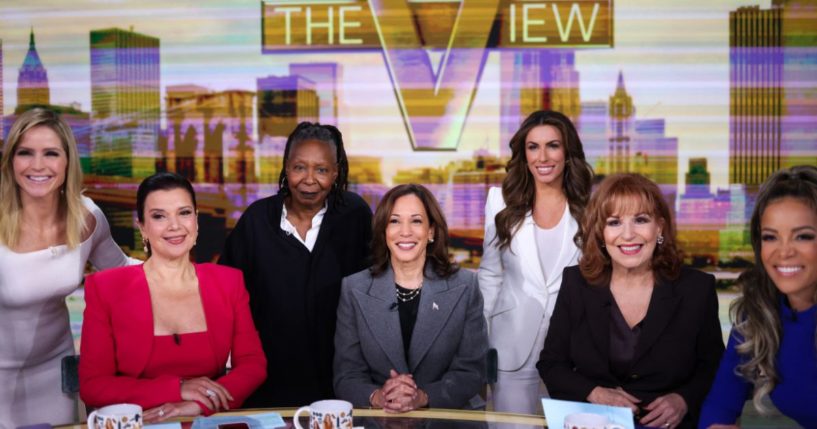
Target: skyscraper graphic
701,216
534,80
326,77
125,104
653,154
209,136
282,103
32,81
799,128
773,96
756,93
622,114
592,127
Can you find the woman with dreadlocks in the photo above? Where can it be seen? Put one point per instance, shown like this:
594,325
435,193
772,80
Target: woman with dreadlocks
294,248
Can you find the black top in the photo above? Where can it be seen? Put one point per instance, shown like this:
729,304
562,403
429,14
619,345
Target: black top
294,292
408,315
623,340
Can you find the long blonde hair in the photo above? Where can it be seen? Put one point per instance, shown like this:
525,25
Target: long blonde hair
70,203
756,313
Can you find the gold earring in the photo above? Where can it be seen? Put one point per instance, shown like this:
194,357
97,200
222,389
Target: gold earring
145,245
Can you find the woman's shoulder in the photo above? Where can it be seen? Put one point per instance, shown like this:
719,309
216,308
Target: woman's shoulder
358,279
463,276
90,205
261,206
115,276
695,280
221,272
495,200
354,203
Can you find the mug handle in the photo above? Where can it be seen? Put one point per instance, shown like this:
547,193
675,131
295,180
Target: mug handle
297,413
90,422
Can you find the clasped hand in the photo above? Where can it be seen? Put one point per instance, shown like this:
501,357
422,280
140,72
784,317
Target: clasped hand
399,394
665,411
194,391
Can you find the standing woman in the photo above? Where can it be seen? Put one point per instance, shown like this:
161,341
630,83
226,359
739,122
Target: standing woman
48,231
772,349
530,225
295,248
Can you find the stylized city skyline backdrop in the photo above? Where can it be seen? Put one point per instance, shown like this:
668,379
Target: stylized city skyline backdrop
706,100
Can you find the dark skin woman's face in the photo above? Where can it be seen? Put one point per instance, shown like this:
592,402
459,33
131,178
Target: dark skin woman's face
311,171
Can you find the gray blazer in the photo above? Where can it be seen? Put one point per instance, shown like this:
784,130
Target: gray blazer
448,346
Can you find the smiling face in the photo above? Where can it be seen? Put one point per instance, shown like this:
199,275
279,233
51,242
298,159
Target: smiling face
40,164
408,231
545,155
788,249
171,225
630,238
311,171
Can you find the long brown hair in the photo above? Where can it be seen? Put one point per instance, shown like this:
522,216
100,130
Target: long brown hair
436,252
622,193
755,314
518,187
70,200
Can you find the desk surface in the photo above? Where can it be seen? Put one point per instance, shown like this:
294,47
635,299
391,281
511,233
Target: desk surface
429,418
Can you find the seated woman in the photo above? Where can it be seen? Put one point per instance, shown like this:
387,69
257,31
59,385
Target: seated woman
410,330
159,334
772,349
631,327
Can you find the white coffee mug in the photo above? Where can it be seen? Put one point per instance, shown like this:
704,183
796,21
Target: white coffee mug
119,416
328,414
589,421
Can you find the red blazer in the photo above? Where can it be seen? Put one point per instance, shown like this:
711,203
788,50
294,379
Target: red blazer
117,338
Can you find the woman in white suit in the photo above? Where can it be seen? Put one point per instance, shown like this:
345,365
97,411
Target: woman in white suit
531,225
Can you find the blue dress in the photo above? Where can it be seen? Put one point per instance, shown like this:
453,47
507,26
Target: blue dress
796,393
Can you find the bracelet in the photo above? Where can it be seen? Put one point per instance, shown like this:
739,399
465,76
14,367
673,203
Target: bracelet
371,398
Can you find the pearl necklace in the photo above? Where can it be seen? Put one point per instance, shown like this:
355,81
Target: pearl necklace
407,296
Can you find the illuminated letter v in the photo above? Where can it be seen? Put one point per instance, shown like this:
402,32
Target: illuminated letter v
434,106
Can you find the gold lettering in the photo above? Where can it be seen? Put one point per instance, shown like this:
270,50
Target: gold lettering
344,24
527,22
513,22
287,21
310,25
564,32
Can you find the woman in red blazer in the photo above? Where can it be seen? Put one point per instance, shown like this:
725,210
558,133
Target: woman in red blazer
160,334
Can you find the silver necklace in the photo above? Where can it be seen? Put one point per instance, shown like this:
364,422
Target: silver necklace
407,296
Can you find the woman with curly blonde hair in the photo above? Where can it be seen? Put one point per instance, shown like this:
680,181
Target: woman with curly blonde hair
772,350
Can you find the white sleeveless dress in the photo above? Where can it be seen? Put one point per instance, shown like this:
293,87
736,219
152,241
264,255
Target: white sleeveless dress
34,328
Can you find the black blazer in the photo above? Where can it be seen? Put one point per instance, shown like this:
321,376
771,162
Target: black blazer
294,292
678,351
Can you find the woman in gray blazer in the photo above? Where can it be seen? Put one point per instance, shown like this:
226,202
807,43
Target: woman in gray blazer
410,330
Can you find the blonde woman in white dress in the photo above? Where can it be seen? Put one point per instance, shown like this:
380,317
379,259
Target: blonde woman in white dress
48,231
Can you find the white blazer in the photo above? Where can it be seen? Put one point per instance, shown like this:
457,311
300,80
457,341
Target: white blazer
516,293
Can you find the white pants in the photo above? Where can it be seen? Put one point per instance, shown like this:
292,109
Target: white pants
521,391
